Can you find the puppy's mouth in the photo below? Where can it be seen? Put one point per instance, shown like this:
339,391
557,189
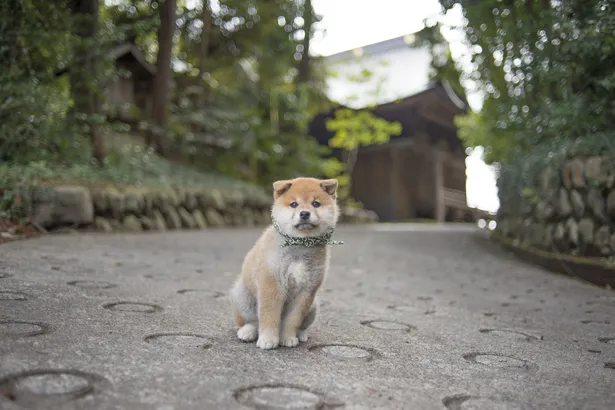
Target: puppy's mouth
304,226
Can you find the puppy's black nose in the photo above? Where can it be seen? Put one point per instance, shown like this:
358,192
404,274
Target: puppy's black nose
305,215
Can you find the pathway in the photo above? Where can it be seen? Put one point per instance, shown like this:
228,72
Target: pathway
413,317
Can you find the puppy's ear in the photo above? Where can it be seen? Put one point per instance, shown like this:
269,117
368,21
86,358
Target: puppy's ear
279,187
329,186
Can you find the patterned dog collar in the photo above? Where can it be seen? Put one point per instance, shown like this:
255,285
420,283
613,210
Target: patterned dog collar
305,241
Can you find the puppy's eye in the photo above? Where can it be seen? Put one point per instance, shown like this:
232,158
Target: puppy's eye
315,204
294,204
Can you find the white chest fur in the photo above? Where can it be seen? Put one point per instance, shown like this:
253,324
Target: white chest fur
298,274
301,269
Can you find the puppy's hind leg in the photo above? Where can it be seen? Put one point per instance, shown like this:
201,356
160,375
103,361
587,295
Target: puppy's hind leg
309,318
243,306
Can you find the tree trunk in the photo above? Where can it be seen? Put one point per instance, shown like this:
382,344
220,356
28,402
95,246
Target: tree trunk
545,6
162,80
308,21
11,53
204,49
84,73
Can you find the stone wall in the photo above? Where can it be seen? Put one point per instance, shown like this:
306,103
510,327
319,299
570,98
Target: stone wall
572,209
134,210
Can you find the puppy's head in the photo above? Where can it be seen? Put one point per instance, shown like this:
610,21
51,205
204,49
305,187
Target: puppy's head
305,206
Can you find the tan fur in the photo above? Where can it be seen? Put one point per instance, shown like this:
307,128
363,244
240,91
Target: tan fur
270,303
274,297
296,314
239,320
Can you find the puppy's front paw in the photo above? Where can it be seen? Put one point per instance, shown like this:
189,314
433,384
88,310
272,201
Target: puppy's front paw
290,341
268,340
302,335
267,343
247,333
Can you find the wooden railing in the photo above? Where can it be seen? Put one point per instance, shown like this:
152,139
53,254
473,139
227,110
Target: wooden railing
449,198
453,198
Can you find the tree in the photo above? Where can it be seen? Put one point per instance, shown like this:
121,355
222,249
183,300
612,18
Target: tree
247,53
542,68
204,47
85,74
443,66
308,21
162,80
356,129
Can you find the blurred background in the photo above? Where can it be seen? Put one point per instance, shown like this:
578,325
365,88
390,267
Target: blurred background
424,110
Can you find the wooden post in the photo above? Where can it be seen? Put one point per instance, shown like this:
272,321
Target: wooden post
394,181
440,208
402,199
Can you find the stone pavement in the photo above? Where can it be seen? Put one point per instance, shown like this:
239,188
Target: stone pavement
413,317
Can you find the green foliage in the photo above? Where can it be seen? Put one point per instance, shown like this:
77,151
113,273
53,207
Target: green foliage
355,129
544,71
252,132
475,130
252,127
11,207
126,164
137,22
361,75
37,42
443,66
255,124
32,103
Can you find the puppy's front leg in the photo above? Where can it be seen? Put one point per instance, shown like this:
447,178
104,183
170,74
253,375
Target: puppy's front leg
270,304
294,317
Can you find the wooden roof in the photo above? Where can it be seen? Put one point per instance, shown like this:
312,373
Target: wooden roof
123,51
430,111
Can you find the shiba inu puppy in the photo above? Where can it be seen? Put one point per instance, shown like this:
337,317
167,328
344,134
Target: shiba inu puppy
273,300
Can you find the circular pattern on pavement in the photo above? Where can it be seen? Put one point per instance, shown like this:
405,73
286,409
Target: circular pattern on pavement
405,308
135,307
17,328
213,294
92,284
179,339
282,396
467,402
600,322
510,334
602,302
13,296
498,360
388,325
48,386
346,352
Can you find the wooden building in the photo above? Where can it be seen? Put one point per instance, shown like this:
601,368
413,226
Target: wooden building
419,173
128,95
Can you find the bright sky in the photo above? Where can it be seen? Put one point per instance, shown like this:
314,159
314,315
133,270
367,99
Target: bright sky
347,24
